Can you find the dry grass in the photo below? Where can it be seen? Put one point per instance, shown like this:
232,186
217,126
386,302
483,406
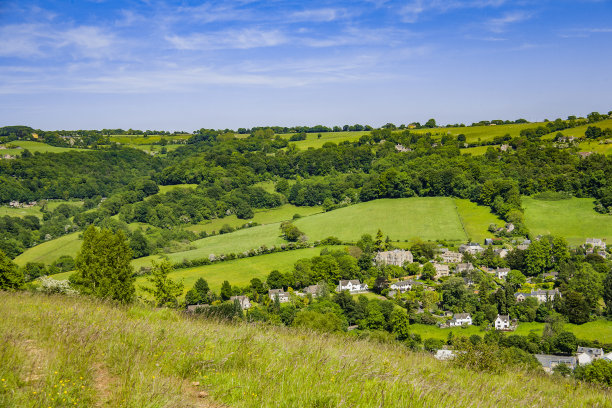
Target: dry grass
151,357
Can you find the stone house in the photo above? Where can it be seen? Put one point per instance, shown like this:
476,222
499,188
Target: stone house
283,297
441,270
549,362
396,257
451,257
472,248
464,267
244,301
313,290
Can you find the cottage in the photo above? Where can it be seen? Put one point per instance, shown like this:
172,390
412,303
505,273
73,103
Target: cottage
196,308
510,227
504,147
314,290
283,297
441,270
244,301
502,322
502,273
549,362
501,252
353,286
546,295
471,248
460,319
488,241
521,297
592,243
396,257
592,352
464,267
404,286
451,257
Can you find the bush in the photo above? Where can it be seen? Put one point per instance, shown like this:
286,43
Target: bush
53,286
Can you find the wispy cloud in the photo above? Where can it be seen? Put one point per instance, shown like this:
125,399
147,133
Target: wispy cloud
500,24
320,15
228,39
411,11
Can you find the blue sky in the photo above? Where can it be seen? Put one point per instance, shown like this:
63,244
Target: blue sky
192,64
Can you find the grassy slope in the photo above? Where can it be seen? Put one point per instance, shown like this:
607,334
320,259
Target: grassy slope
274,215
573,219
482,133
34,147
137,357
596,147
165,189
405,218
579,130
141,140
239,272
335,137
49,251
476,219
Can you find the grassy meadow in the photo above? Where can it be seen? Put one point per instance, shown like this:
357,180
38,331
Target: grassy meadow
239,272
49,251
145,140
274,215
34,147
575,219
578,131
596,147
401,219
312,139
62,351
476,219
479,133
166,189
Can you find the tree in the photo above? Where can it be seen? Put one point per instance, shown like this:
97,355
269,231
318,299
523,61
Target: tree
199,294
103,265
516,279
164,290
11,277
575,307
431,123
428,272
379,243
375,319
565,342
537,257
226,290
607,292
587,282
400,324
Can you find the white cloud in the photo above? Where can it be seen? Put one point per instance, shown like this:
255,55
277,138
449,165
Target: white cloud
500,24
319,15
411,12
228,39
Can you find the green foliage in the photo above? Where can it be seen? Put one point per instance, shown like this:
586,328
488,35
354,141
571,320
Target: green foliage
290,231
103,266
599,371
226,290
165,291
11,277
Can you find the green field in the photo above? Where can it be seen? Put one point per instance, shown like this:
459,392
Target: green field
575,219
165,189
20,212
239,272
274,215
49,251
312,139
476,151
476,219
578,131
142,140
596,147
480,133
34,147
428,218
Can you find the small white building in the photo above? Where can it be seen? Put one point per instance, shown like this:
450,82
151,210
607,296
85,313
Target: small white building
244,301
283,297
403,286
460,319
353,286
502,322
592,243
502,273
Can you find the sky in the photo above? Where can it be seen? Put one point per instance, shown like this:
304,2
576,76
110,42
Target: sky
187,65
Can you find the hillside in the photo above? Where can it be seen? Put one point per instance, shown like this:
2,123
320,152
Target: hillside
61,351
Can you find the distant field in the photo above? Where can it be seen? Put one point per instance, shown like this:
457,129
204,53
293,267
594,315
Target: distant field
579,130
239,272
476,219
35,210
404,218
480,133
274,215
312,139
600,330
573,219
165,189
596,147
34,147
153,148
476,151
49,251
142,140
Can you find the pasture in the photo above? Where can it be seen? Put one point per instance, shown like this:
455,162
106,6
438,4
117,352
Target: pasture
34,147
145,140
312,139
428,218
578,131
479,133
49,251
274,215
476,219
165,189
596,147
239,272
575,219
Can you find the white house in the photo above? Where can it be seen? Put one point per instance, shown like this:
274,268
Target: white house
502,273
459,319
244,301
502,322
592,243
472,248
403,286
283,297
396,257
589,353
353,286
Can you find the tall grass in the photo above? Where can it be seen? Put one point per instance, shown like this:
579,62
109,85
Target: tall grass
61,351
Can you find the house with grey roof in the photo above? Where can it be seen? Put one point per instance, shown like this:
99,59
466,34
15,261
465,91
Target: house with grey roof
502,322
353,286
549,361
451,257
313,290
396,257
281,295
464,267
460,319
244,301
472,248
404,285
